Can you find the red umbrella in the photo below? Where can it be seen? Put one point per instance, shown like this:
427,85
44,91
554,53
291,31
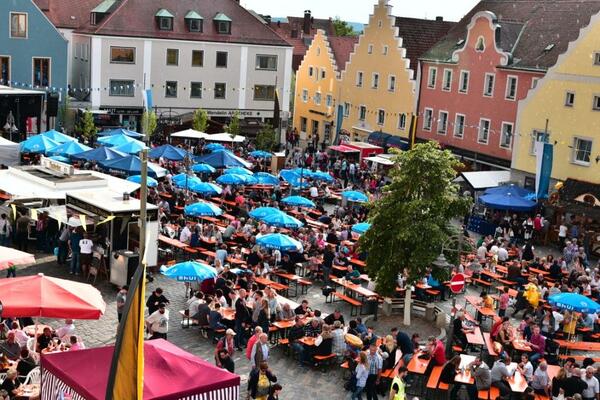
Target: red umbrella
44,296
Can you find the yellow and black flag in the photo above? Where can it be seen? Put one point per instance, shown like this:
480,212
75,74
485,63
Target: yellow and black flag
126,379
276,113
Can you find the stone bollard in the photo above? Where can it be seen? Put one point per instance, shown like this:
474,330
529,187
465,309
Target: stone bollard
429,312
441,321
387,306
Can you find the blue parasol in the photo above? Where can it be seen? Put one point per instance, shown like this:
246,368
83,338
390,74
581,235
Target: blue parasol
282,220
189,271
115,140
352,195
132,165
262,212
280,242
234,179
202,209
187,183
150,182
38,144
261,154
298,201
238,171
101,153
292,178
133,147
223,159
214,147
68,149
264,178
361,228
322,176
206,188
507,201
168,152
203,169
121,131
574,302
58,136
60,159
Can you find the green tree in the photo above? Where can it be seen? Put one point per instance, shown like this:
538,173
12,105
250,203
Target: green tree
343,28
149,123
66,115
234,128
86,126
200,121
266,139
411,222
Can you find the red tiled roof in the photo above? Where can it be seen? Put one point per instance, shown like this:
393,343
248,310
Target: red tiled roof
341,47
419,35
67,13
136,18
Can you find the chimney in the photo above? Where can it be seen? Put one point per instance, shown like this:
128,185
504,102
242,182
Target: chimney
307,22
439,19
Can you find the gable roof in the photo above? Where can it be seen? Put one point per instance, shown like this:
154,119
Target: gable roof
419,35
527,28
341,47
69,14
136,18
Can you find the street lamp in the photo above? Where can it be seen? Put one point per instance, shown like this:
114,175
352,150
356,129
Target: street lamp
441,262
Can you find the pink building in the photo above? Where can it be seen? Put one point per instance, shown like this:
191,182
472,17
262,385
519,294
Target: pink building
472,79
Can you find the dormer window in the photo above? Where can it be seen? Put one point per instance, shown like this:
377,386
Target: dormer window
222,24
98,13
164,19
193,21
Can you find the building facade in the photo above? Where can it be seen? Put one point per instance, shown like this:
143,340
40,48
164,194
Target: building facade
564,110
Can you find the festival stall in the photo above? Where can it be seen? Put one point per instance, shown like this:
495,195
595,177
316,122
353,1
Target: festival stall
169,374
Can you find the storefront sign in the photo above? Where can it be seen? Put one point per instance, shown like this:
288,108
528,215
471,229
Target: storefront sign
57,166
241,113
123,111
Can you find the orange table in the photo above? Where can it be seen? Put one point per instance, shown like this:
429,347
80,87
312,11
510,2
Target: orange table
309,341
172,242
517,382
355,288
358,263
521,345
475,337
465,377
583,346
417,365
475,301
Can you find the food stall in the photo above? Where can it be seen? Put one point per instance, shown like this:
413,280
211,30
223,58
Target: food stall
365,149
114,221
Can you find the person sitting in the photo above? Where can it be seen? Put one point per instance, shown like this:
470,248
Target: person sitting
303,309
65,331
540,381
335,316
500,374
389,347
44,339
352,275
11,383
26,363
313,329
215,317
461,328
339,343
75,343
323,343
20,335
448,375
10,347
286,313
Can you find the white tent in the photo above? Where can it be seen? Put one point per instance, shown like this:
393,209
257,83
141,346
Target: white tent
9,152
10,256
190,134
225,137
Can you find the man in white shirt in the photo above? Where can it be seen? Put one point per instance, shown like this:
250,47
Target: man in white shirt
593,387
221,254
85,252
158,322
186,234
66,331
482,252
502,254
314,191
20,336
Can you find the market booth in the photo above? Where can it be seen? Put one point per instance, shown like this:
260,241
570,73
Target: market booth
112,219
169,374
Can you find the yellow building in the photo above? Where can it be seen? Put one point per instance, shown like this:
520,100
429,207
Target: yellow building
567,102
317,86
378,88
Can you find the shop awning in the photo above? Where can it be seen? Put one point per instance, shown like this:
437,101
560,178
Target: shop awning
481,180
380,160
344,149
378,138
398,143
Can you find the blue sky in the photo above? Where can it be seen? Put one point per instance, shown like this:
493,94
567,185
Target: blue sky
359,10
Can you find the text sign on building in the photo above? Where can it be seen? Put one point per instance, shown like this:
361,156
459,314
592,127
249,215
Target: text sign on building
57,166
241,113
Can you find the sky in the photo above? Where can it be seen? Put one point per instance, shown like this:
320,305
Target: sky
359,10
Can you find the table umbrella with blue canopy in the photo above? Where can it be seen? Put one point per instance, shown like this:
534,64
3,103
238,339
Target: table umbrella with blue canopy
150,182
574,302
38,144
292,178
264,178
68,149
361,227
189,271
101,153
131,148
238,171
206,188
233,179
223,159
121,131
60,159
280,242
262,212
132,165
512,190
203,169
183,183
168,152
322,176
202,209
214,147
305,172
181,177
507,201
353,195
282,220
115,140
261,154
58,136
298,201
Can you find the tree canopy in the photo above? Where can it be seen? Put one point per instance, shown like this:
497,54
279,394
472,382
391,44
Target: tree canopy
266,139
234,125
149,123
411,222
343,28
86,125
200,121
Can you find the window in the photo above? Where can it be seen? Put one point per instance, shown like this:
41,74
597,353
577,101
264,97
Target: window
488,86
41,72
385,50
195,25
596,105
172,57
171,89
4,70
442,122
323,73
329,100
121,88
511,88
597,58
432,77
447,84
370,49
459,126
197,58
220,90
402,121
375,82
569,99
392,83
582,149
224,27
537,136
18,25
315,127
311,71
317,98
380,117
264,92
464,82
506,135
428,119
484,131
303,123
122,55
534,82
362,113
359,79
266,62
222,59
196,90
165,23
346,110
305,95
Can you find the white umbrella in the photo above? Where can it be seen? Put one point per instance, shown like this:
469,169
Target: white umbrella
190,134
225,137
10,256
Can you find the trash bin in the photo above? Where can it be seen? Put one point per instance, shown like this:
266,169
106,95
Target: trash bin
327,290
371,306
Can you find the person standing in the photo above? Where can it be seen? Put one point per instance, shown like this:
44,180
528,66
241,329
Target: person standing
155,299
593,387
158,323
74,240
327,265
121,300
5,230
260,351
243,318
22,232
398,391
375,365
63,245
362,373
85,250
259,382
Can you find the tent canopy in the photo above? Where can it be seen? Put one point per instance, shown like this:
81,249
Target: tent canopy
190,134
223,159
10,256
121,131
101,153
225,137
132,165
9,152
481,180
186,374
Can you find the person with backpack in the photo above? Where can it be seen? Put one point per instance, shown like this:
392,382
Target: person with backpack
259,382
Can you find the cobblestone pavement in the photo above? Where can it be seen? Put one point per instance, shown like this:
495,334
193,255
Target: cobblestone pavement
298,382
